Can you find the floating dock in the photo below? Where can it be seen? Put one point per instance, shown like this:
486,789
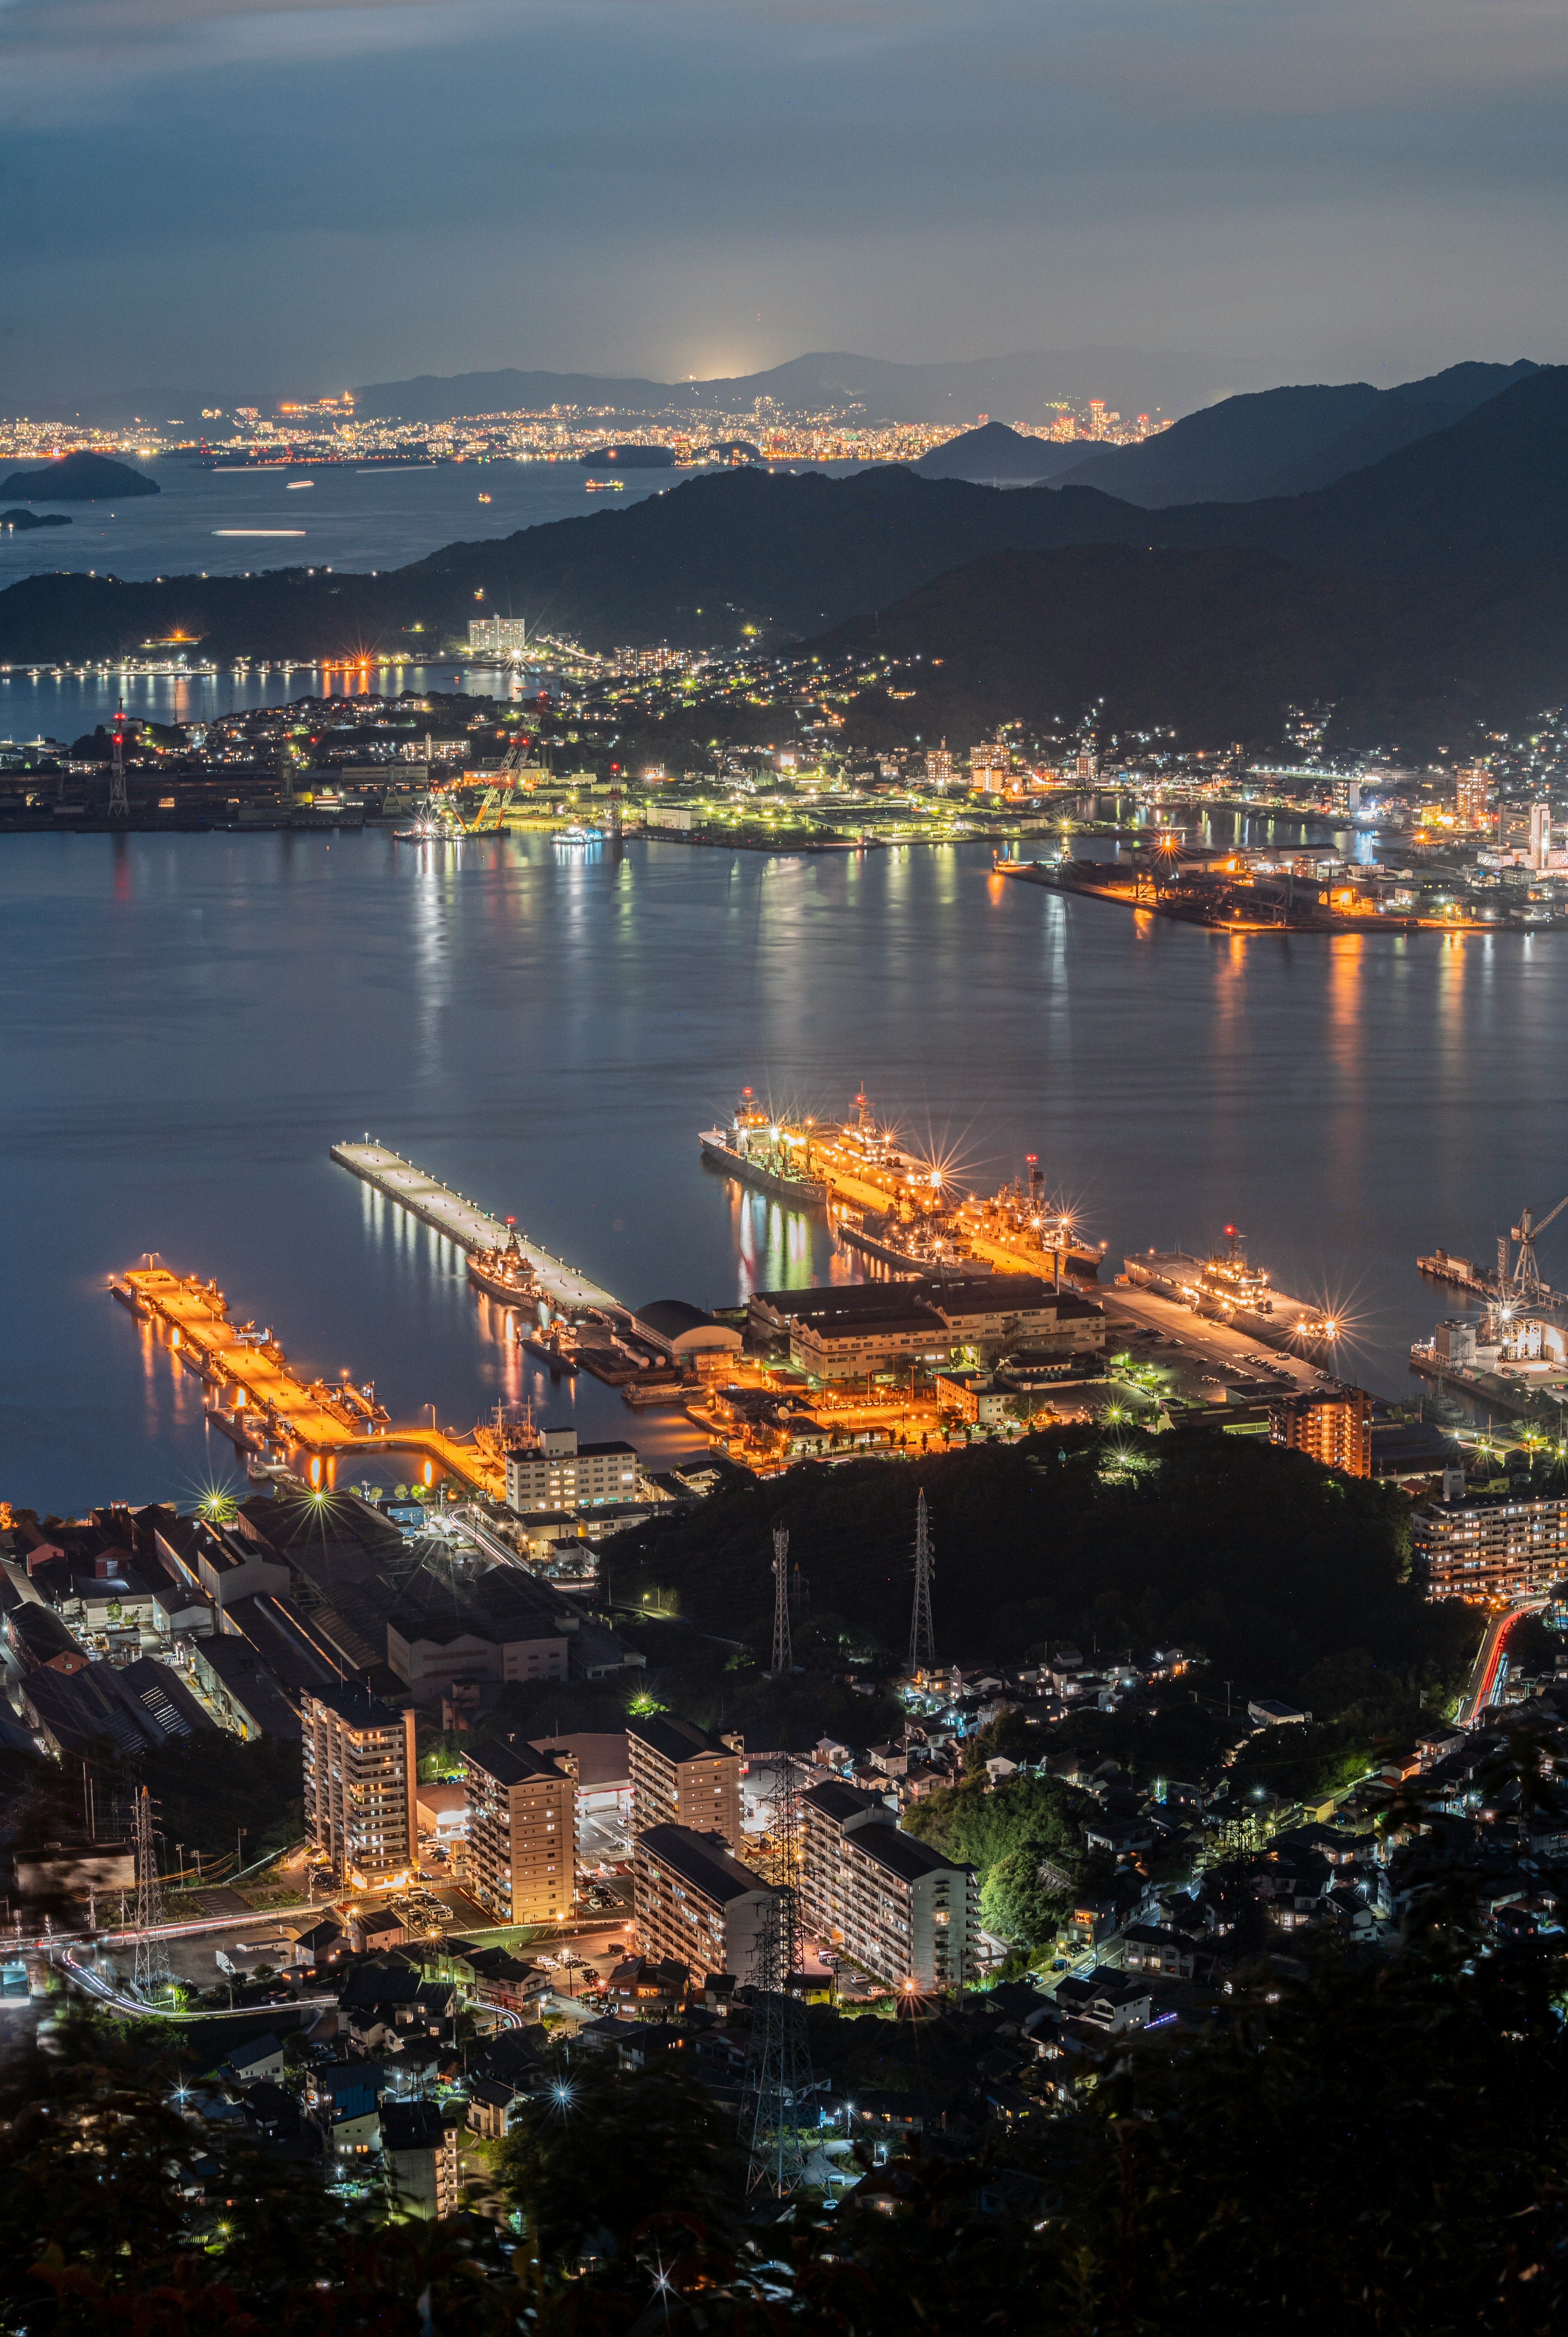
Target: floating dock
257,1400
464,1222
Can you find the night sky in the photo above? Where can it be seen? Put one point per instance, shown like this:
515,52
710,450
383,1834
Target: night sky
285,198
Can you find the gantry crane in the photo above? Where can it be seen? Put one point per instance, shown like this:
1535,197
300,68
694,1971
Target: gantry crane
1524,1282
501,786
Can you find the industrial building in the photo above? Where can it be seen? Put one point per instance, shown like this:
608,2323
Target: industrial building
455,1625
891,1902
359,1781
846,1330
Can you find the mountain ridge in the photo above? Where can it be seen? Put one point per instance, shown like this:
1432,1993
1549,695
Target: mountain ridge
1462,532
1290,439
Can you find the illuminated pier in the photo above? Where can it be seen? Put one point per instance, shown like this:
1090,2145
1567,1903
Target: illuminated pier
258,1400
464,1222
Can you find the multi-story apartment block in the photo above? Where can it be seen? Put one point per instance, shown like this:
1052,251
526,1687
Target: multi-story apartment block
499,636
681,1775
891,1904
1335,1429
1472,783
359,1780
522,1833
1483,1550
560,1474
696,1902
419,2151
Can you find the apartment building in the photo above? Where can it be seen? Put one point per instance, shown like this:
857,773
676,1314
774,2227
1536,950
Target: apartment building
359,1779
419,2150
1482,1550
889,1904
681,1775
560,1474
697,1903
1335,1429
522,1833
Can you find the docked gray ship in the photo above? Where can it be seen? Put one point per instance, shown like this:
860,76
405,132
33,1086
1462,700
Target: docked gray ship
761,1152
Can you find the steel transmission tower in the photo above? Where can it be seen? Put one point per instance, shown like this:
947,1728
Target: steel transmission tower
781,2067
152,1971
783,1663
922,1636
118,804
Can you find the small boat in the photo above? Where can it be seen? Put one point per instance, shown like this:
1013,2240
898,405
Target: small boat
485,499
577,836
295,484
604,487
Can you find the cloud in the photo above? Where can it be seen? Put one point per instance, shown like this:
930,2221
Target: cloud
356,188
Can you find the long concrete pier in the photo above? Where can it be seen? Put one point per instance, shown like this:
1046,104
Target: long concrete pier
464,1221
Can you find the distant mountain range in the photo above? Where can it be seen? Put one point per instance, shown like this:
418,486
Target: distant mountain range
1019,386
1425,591
1286,442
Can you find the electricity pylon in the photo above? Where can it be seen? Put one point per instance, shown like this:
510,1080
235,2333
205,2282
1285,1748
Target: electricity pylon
922,1636
118,804
781,2065
153,1968
783,1663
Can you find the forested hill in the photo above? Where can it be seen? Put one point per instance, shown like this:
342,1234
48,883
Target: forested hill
1266,1561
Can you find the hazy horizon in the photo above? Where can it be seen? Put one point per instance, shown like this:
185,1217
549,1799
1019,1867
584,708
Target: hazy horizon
300,195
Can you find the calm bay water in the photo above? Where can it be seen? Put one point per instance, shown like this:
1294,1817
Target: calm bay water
190,1021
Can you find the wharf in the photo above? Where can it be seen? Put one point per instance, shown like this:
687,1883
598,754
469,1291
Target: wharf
257,1400
1541,1398
1293,1328
1232,908
464,1221
1459,1273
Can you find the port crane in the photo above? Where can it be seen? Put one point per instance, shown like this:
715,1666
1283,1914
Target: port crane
1524,1282
501,786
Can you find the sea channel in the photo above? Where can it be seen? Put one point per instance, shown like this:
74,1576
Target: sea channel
192,1021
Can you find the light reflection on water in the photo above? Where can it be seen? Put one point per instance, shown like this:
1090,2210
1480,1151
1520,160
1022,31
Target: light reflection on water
192,1021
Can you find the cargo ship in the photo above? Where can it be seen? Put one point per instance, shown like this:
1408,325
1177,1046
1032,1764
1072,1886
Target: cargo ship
761,1152
504,1272
895,1205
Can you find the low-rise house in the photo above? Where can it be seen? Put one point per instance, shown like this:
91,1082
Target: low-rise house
491,2103
260,2057
1153,1948
1110,2001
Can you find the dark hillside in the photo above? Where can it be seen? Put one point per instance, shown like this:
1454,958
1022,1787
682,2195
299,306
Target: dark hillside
1267,1562
1278,442
1217,644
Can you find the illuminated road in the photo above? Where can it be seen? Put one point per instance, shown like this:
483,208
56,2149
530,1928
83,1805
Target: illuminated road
1484,1676
96,1984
